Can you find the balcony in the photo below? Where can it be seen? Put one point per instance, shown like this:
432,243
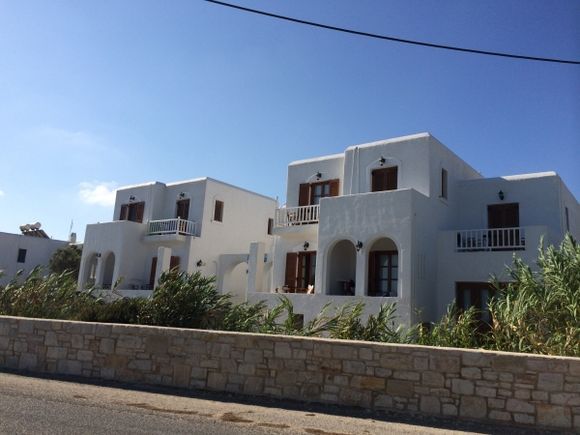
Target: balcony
491,239
176,226
292,216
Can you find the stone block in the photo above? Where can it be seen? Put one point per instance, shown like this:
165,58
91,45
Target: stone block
569,399
156,344
355,367
129,342
216,381
396,361
471,373
400,388
406,375
523,394
28,361
4,343
524,418
433,379
476,359
522,406
344,352
508,363
551,381
383,401
500,415
443,363
253,385
50,339
141,365
69,367
449,409
485,392
107,345
368,383
253,356
496,403
421,363
554,416
430,405
365,353
462,386
84,355
77,341
472,407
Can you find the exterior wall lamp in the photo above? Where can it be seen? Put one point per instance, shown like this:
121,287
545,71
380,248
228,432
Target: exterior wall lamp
98,255
200,263
501,195
382,161
306,245
318,175
132,198
358,245
182,194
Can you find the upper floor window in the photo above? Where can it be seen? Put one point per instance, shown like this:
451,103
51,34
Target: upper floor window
218,211
270,225
384,179
443,183
21,256
182,209
503,215
567,218
312,193
132,212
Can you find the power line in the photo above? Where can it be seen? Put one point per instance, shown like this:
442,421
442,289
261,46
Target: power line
391,38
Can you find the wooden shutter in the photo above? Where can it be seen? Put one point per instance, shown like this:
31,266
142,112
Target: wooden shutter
334,187
270,225
218,212
291,270
304,195
139,209
124,212
153,270
391,182
182,209
174,263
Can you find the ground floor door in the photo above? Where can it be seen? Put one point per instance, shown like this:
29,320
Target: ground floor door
475,294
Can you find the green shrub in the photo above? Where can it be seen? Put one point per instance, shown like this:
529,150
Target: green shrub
455,329
539,312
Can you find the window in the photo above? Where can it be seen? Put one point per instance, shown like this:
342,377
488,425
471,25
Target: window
383,273
300,270
218,211
567,218
443,183
270,225
503,215
173,264
384,179
475,294
312,193
132,212
21,256
182,209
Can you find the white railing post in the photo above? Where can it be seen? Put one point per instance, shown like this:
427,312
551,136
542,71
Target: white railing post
171,226
490,239
290,216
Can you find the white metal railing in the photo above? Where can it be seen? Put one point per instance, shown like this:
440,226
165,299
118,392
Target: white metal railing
491,239
172,226
290,216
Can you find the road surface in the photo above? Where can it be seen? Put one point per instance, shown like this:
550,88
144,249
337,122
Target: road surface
41,405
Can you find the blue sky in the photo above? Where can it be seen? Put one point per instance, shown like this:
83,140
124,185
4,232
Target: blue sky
96,95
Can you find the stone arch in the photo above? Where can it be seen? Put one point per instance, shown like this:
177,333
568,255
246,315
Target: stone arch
383,268
341,268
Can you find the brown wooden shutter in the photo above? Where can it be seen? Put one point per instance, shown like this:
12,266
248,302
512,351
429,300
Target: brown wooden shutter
391,178
124,212
334,187
153,270
304,196
270,225
291,270
182,209
139,210
174,263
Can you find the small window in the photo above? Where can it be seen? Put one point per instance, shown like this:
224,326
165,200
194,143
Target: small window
21,255
384,179
270,225
444,183
218,212
567,218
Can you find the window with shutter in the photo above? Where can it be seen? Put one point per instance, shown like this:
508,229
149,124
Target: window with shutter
291,276
304,195
218,212
174,263
132,212
182,209
124,215
311,194
444,183
152,273
384,179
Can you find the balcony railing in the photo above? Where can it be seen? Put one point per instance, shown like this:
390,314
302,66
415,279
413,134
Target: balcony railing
172,226
492,239
290,216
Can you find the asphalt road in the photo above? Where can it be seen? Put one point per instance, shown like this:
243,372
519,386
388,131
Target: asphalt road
40,405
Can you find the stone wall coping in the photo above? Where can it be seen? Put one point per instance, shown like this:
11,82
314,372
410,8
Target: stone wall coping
290,338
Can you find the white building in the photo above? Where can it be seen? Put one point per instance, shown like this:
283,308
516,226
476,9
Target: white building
23,252
198,225
405,220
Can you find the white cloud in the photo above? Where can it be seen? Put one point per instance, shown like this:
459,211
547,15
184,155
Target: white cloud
98,193
1,193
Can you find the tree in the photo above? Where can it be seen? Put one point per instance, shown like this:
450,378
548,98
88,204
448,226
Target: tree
67,259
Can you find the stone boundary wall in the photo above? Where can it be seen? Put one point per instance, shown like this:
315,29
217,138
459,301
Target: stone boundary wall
483,385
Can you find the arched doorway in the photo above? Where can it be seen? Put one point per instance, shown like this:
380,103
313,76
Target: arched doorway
342,269
383,278
90,276
236,282
108,271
